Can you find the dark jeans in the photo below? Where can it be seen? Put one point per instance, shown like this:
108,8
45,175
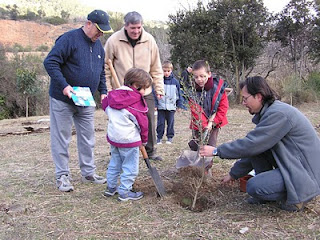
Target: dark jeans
151,150
165,116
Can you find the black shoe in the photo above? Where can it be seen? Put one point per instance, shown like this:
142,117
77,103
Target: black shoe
253,200
155,158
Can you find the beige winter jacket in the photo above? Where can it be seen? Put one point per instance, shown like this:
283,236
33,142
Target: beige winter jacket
144,55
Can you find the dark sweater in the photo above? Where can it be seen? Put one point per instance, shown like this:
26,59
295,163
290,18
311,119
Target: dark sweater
76,61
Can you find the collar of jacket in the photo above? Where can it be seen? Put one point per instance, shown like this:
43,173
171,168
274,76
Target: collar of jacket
85,36
257,117
207,86
168,78
124,38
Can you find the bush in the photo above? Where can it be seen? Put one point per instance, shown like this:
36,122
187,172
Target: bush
42,48
313,82
4,111
294,91
55,20
12,102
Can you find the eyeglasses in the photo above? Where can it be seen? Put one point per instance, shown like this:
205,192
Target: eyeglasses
97,27
244,99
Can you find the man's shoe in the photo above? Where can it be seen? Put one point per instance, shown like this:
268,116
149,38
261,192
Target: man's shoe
130,196
292,207
169,141
159,141
94,179
63,184
253,200
155,158
110,192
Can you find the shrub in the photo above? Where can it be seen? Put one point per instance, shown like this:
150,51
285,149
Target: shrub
55,20
294,90
4,111
42,48
313,82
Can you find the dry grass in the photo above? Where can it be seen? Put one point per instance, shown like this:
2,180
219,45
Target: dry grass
32,208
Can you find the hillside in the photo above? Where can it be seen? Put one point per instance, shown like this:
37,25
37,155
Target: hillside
33,34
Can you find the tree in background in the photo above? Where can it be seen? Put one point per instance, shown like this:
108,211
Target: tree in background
294,30
27,84
194,35
315,39
230,34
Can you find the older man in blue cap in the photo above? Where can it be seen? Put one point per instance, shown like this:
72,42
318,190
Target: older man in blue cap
77,59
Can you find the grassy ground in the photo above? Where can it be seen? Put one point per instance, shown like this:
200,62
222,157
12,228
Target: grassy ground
32,208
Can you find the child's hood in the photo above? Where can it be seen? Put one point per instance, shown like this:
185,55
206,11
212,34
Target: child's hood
123,97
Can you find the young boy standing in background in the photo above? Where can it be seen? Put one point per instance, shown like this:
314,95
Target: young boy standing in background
168,105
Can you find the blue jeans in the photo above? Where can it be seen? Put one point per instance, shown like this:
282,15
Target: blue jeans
267,186
165,116
124,162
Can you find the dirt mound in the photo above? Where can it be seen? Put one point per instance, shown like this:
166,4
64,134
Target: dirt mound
33,34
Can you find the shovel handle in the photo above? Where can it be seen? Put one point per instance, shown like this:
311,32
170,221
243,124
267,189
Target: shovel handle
145,155
113,74
144,152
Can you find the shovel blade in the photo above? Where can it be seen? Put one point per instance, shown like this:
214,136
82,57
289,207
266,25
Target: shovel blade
154,173
157,181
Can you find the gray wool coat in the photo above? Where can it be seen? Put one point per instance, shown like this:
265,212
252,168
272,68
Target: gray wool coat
293,142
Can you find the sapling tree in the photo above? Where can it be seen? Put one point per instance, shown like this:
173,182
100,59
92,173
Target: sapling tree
27,84
196,104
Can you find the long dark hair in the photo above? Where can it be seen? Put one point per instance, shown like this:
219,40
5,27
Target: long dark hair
258,84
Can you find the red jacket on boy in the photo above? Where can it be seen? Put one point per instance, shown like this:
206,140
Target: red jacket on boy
212,99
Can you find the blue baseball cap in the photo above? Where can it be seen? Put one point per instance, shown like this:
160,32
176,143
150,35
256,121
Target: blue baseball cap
101,20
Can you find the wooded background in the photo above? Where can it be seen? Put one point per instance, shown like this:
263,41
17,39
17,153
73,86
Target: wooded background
238,38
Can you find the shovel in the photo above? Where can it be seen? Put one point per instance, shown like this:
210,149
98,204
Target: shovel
154,173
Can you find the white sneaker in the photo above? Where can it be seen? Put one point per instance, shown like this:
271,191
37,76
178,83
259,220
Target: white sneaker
168,142
94,179
63,184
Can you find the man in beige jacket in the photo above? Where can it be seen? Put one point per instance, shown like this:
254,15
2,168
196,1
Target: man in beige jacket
131,47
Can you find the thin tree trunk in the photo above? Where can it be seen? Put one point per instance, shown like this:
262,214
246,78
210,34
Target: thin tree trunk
27,106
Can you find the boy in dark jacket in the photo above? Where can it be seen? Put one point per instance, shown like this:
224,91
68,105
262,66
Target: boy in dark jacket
168,105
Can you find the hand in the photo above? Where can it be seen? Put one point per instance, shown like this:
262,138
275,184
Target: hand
103,96
67,91
206,151
227,179
179,110
189,69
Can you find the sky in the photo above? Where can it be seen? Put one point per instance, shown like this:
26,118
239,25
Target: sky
160,9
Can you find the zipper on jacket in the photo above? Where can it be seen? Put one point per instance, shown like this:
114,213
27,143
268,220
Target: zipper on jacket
134,62
91,60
